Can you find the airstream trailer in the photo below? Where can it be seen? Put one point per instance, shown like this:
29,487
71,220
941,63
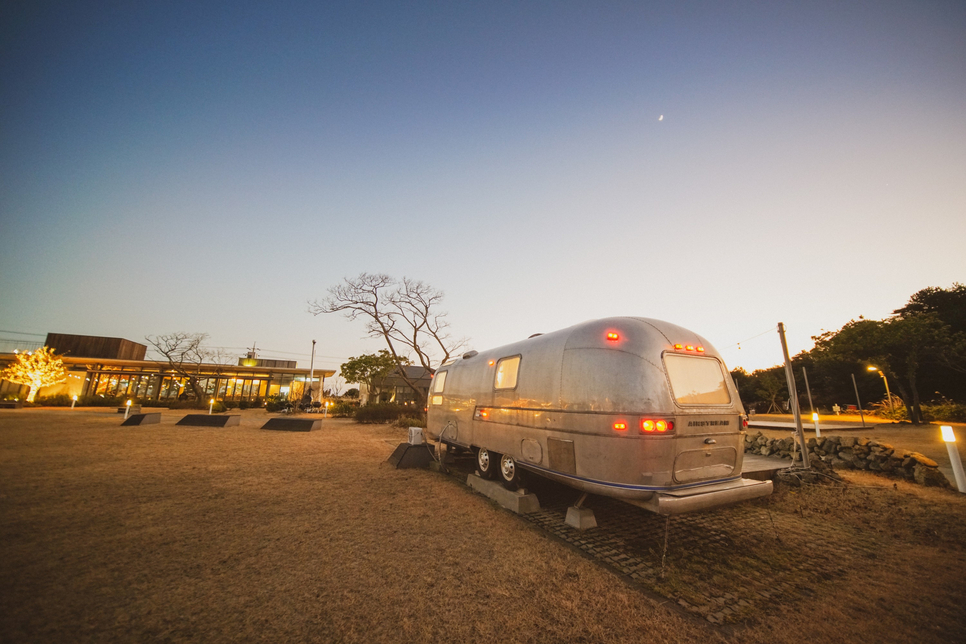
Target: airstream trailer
625,407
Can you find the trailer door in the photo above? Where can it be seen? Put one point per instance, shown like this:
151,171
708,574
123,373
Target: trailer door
707,429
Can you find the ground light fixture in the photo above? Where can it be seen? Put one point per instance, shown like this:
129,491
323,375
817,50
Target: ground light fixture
211,405
818,430
950,439
73,401
127,409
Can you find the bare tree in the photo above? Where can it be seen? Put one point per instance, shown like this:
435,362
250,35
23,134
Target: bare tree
185,353
405,313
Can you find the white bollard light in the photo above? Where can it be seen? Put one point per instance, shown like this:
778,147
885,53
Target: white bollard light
818,431
73,402
127,409
211,405
950,439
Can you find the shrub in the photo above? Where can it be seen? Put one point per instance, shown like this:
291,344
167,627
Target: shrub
380,413
897,411
276,403
944,410
410,421
343,409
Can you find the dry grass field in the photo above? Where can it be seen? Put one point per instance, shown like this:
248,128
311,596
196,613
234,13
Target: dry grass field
178,534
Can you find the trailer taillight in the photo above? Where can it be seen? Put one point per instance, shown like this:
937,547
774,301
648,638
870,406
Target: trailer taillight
619,426
656,426
613,337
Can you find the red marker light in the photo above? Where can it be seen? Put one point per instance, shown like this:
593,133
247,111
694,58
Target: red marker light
650,426
620,426
491,363
613,337
678,346
690,347
700,349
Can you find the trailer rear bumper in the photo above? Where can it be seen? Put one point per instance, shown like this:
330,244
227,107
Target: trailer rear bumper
705,497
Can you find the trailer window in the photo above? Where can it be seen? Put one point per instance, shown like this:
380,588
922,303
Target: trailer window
506,373
439,381
696,381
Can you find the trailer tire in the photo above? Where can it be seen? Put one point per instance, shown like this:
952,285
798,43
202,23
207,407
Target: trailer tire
510,472
488,463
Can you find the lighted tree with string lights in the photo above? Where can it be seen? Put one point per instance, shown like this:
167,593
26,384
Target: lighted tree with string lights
36,369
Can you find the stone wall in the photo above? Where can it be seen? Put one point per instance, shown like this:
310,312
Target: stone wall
847,452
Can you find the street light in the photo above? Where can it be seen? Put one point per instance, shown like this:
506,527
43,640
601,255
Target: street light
886,381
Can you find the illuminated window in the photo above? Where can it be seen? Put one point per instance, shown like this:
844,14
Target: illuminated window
506,373
439,381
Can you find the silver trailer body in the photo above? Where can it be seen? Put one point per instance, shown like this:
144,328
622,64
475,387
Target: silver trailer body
631,408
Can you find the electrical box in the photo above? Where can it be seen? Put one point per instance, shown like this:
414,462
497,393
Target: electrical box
415,435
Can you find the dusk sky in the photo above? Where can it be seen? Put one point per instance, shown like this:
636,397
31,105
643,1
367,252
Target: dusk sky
212,167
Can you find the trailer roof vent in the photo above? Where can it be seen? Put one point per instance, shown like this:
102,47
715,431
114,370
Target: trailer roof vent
470,354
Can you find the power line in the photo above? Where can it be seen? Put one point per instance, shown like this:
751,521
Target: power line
39,335
738,344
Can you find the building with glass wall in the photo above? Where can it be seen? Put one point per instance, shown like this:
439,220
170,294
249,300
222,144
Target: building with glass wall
94,371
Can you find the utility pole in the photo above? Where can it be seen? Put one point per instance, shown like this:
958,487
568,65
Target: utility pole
312,372
811,409
857,401
793,397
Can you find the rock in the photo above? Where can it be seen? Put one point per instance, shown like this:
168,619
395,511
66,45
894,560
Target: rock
847,441
924,460
848,457
929,476
839,464
862,442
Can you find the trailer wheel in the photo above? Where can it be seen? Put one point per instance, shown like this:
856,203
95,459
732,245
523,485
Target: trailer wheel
511,474
487,463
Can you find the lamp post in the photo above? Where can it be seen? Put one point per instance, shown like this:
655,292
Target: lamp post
211,405
73,402
886,381
818,430
950,439
127,409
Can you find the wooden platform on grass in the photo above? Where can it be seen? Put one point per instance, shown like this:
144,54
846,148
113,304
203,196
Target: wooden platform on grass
293,424
143,419
213,420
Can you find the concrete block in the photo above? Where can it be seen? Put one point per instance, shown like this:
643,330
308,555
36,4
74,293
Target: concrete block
512,501
407,456
581,518
293,424
213,420
143,419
